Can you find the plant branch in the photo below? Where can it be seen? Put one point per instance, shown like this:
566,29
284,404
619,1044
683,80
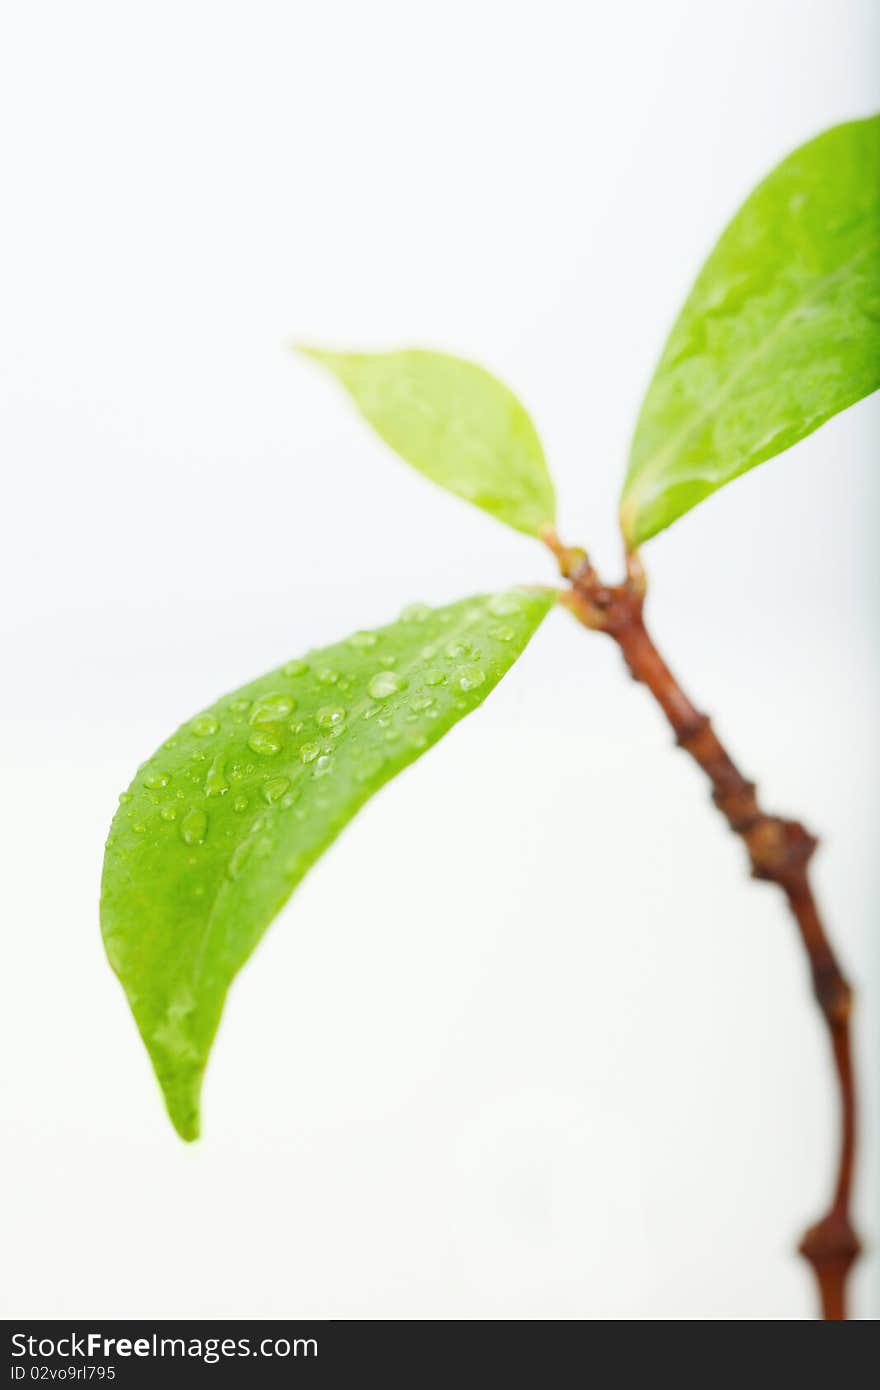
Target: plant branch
779,851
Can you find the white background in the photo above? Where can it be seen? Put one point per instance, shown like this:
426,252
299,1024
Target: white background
527,1043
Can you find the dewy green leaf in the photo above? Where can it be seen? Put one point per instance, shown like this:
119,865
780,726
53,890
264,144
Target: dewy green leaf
455,423
221,824
780,332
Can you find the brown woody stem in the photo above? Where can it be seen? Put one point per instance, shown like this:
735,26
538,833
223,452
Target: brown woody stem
779,852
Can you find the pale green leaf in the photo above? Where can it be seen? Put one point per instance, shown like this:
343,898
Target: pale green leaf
221,824
780,332
456,424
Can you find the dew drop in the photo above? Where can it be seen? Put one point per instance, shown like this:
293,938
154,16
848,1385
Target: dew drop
215,779
155,780
295,668
330,716
274,789
270,708
240,803
240,855
194,826
385,684
309,752
435,677
504,605
363,640
469,677
368,767
419,703
415,613
327,676
323,766
458,649
124,798
502,632
239,706
168,813
263,743
204,726
139,828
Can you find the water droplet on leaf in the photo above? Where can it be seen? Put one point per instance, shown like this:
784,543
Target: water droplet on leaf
469,677
384,684
263,743
215,779
271,708
275,788
504,605
330,716
240,855
194,826
415,613
368,767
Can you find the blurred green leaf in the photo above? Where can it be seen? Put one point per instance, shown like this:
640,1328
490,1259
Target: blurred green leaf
455,423
222,823
780,331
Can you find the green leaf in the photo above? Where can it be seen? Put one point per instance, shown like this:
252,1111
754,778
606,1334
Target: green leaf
780,332
222,823
456,424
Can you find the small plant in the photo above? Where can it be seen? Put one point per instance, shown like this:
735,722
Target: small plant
780,332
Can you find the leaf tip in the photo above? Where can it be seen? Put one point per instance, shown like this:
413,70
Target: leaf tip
305,349
188,1127
182,1101
323,356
